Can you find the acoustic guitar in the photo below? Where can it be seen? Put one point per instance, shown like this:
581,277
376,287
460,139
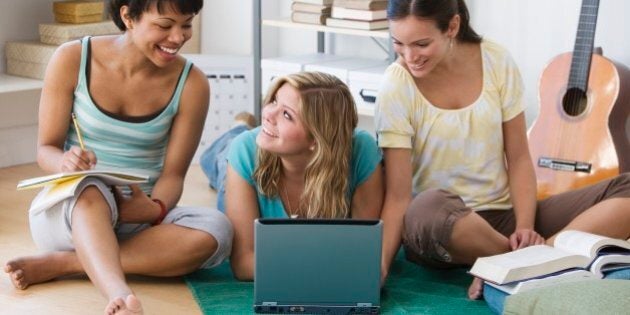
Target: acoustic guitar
579,137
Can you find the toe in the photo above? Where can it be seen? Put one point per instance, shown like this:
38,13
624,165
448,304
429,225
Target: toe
133,304
114,306
17,275
9,267
475,289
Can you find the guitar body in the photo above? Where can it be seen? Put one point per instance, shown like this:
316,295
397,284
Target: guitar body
584,147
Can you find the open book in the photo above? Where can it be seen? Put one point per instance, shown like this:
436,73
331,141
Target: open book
575,251
58,187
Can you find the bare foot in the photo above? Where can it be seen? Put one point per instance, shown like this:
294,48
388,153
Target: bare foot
475,290
245,118
124,306
28,270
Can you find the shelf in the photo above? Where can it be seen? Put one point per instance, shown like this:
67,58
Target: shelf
9,83
322,28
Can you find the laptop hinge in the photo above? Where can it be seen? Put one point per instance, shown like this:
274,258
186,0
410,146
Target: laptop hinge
364,304
270,303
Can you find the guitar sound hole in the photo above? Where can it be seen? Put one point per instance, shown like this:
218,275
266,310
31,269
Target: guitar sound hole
574,102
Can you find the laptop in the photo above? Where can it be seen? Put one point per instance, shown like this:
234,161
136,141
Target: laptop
317,266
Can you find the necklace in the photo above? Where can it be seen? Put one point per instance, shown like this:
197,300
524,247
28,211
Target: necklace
290,208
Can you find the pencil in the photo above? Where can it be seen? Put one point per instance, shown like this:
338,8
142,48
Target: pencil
76,127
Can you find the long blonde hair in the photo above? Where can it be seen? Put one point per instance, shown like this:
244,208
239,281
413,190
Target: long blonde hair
329,117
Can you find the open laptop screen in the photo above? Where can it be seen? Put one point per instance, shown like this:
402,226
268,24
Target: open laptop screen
315,265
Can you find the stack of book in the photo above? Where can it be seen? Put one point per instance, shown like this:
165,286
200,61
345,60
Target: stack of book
310,11
575,256
75,19
359,14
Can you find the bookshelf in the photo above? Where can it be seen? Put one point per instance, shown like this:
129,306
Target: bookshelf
258,22
286,23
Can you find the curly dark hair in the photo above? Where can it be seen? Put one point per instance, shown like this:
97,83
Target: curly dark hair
137,7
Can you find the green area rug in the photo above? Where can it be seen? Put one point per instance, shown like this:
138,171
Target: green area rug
410,289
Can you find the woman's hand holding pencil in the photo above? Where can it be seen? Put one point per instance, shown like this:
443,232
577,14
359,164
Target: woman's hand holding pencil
78,158
78,130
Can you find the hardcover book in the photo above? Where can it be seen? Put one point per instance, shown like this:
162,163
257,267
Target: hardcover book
361,4
317,2
355,24
572,250
354,14
311,8
309,18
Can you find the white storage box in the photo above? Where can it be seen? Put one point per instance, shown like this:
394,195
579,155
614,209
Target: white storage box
77,12
59,33
28,59
275,67
364,85
341,68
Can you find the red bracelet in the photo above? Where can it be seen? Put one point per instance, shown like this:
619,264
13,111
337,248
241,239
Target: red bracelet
160,218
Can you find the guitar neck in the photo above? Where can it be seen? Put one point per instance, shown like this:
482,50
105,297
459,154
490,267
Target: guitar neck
583,48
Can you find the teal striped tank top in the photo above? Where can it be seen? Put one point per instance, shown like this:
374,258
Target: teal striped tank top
122,144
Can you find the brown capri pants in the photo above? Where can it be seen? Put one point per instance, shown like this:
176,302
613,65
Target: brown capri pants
429,220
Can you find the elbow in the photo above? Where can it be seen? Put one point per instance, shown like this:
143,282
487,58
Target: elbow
242,276
41,156
240,271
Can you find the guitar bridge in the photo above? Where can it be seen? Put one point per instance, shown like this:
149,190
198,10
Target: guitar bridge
564,165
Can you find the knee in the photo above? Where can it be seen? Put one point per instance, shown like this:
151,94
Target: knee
213,245
198,246
89,198
426,208
623,180
620,186
92,203
429,203
202,243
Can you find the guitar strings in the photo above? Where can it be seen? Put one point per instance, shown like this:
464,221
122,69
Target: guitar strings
581,60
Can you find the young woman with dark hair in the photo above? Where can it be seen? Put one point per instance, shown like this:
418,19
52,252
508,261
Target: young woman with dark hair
459,180
140,106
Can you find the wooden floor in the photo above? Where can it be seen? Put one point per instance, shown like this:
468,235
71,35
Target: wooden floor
77,295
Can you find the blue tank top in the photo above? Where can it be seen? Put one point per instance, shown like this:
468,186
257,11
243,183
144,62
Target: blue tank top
122,144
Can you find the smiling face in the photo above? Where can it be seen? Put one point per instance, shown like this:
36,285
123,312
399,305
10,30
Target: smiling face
282,131
159,35
420,44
